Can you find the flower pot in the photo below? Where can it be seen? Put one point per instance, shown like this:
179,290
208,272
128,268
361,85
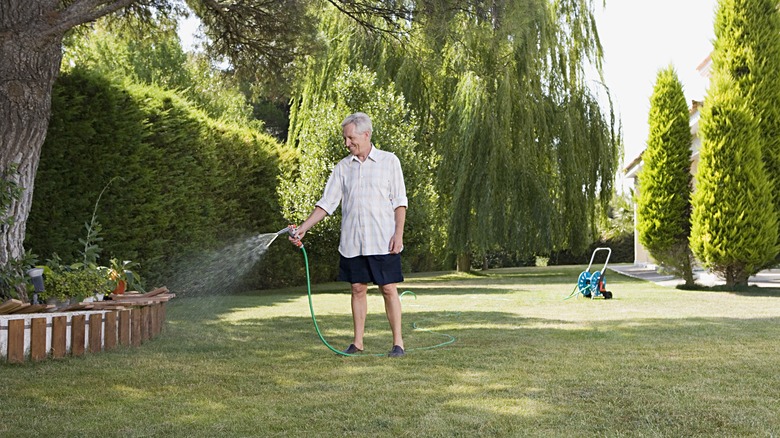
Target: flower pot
120,287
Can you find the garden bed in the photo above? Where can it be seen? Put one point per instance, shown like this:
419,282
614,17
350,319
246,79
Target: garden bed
38,332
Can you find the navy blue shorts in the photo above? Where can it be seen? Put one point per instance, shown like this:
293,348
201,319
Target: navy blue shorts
377,269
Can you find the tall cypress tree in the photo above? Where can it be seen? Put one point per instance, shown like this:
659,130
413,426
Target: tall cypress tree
733,232
747,47
663,204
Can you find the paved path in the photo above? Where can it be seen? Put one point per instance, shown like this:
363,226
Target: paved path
768,278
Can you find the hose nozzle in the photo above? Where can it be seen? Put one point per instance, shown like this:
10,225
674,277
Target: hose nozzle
292,231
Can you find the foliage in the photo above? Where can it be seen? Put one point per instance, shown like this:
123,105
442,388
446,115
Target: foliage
500,100
622,246
275,117
155,57
619,217
530,144
663,204
747,48
79,281
92,250
14,278
318,137
265,41
616,232
733,233
261,39
179,195
123,272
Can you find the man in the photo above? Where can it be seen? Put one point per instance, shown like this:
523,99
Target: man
370,186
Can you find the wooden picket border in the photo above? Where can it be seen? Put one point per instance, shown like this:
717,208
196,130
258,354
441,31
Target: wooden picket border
126,321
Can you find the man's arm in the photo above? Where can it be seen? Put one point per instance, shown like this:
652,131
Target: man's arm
397,241
316,215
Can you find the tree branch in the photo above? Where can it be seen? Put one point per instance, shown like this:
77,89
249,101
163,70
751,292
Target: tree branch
84,11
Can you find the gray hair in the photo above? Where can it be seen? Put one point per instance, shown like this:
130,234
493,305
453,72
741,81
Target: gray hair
361,121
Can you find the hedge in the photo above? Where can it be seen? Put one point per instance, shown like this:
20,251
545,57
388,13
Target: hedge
183,183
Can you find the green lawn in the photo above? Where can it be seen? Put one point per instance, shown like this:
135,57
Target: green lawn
653,361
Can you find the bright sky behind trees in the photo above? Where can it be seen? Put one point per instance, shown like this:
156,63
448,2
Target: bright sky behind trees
641,37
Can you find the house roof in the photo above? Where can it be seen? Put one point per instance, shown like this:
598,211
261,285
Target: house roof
705,66
634,163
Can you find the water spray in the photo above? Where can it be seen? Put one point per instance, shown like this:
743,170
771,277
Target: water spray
292,231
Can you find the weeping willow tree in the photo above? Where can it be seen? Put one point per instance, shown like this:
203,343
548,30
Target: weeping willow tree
355,73
520,149
530,145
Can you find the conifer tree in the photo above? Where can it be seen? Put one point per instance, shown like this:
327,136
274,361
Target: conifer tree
747,47
663,204
733,232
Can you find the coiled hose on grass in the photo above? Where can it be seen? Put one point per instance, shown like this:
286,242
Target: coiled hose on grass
450,338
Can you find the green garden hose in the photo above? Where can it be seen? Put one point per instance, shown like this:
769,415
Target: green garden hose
450,339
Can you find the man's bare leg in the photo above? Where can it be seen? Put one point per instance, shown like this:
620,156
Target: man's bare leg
393,310
359,311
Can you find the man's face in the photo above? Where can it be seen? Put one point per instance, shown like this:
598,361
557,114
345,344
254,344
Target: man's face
357,143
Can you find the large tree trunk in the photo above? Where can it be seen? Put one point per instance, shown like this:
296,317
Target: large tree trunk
464,262
29,64
736,277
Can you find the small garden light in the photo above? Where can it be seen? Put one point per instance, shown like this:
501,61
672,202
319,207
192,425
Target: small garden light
36,274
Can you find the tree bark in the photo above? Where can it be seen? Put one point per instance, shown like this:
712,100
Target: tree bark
688,270
729,277
464,262
29,64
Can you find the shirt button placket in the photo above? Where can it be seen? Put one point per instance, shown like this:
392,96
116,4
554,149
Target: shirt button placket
359,206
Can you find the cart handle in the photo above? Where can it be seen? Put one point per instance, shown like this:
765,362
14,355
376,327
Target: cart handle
609,253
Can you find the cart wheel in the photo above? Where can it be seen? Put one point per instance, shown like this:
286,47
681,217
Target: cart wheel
595,281
583,283
607,294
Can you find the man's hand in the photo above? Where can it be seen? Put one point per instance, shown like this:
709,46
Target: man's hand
316,215
296,236
396,243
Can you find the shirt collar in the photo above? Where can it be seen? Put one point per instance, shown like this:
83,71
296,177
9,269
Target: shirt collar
373,155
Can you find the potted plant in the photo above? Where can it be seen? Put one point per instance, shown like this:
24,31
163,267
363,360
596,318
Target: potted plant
122,276
66,283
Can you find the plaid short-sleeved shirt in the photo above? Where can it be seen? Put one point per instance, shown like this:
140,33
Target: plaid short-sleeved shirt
369,193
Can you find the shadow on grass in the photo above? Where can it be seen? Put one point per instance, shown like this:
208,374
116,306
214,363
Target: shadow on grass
512,373
504,281
500,282
745,291
506,375
486,335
